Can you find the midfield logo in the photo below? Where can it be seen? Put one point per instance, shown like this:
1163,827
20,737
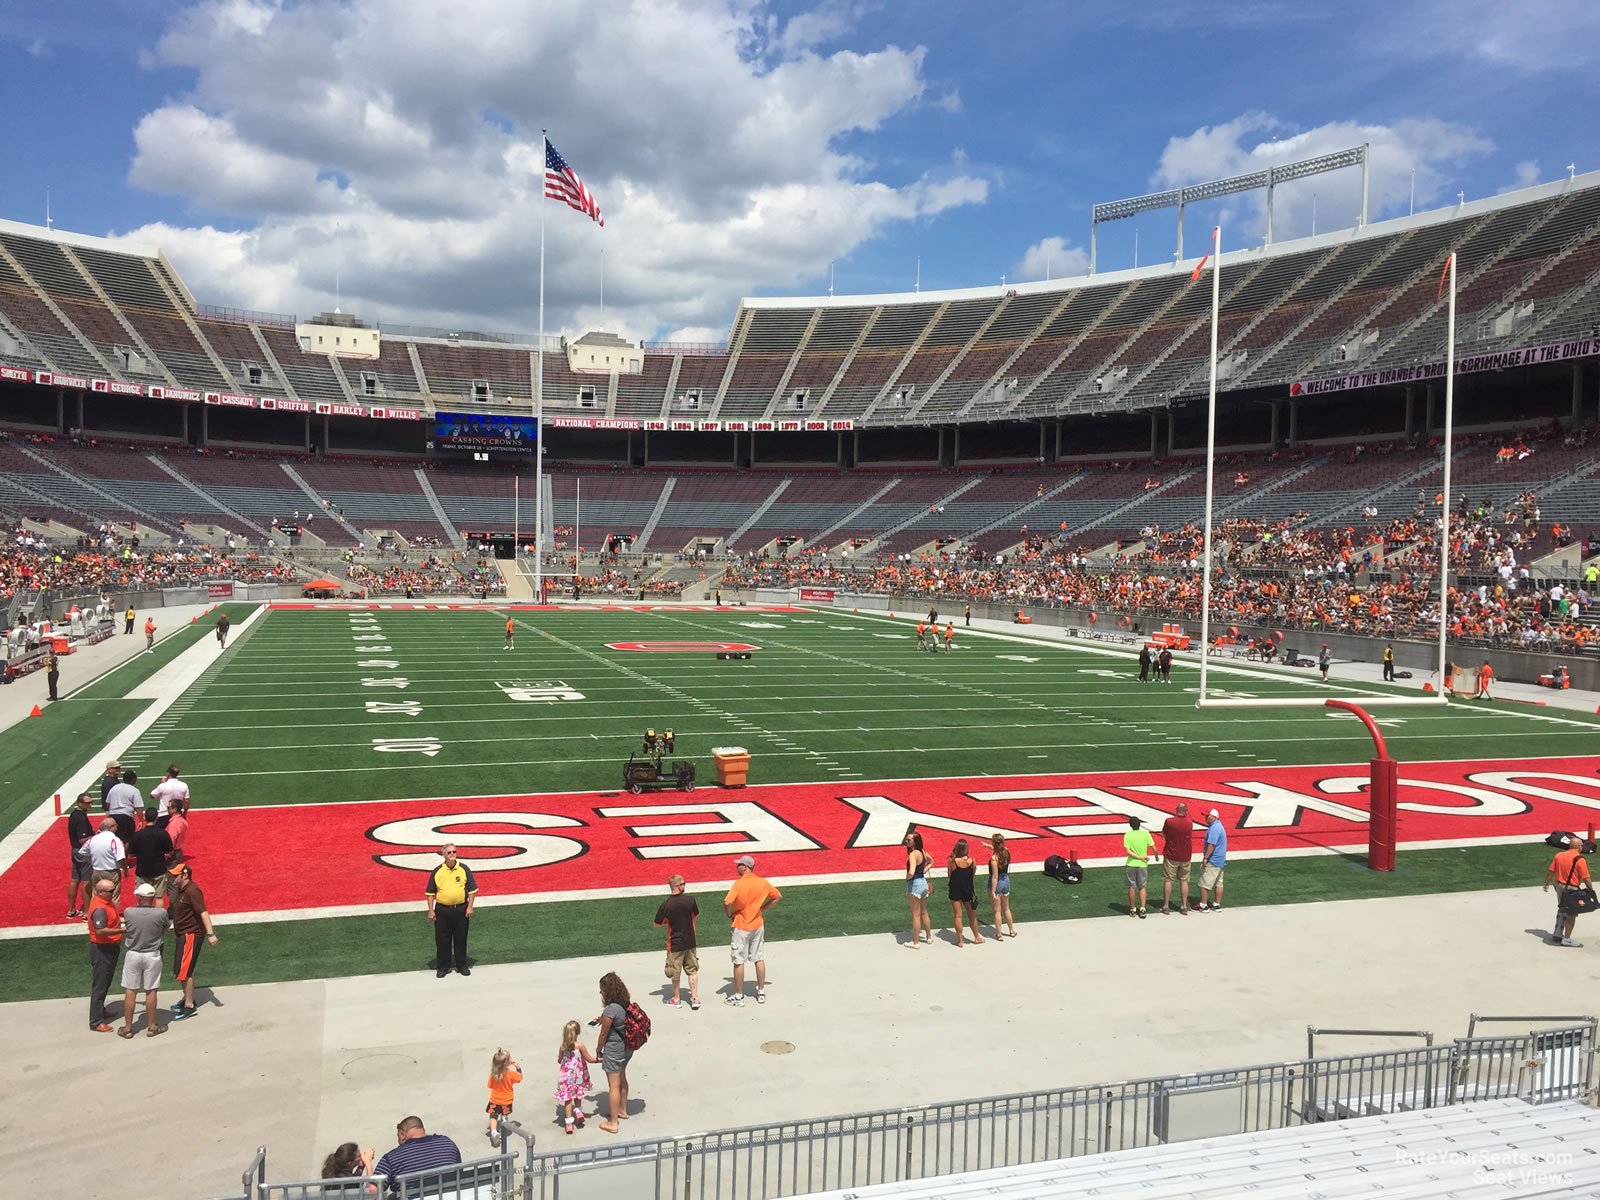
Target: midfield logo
547,690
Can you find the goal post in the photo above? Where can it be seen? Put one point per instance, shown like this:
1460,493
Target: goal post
1430,698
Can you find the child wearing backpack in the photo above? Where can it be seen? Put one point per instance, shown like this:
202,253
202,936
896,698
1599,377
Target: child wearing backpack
624,1028
572,1074
504,1075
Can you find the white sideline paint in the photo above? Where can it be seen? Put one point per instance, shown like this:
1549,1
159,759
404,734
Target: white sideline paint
165,687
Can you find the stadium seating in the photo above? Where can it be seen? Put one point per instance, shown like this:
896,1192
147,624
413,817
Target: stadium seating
1528,262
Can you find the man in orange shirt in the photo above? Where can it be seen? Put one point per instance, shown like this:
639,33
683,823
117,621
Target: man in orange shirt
1485,680
1570,873
149,634
747,899
511,629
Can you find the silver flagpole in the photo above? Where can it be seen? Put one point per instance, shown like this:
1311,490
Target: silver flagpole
1211,460
577,529
538,392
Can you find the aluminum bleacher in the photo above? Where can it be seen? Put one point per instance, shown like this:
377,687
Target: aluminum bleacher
613,501
310,375
236,346
810,504
375,496
134,289
254,487
72,295
644,395
1498,1148
54,341
709,506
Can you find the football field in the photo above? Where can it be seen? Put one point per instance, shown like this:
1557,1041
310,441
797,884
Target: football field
315,705
332,749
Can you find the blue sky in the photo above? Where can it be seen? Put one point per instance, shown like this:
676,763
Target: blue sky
739,147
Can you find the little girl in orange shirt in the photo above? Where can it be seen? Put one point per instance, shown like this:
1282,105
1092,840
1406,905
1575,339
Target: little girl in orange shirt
504,1075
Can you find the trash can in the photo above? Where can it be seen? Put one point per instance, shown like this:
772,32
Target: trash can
733,765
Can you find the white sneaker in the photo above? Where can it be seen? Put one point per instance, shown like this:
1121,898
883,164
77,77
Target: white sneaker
736,1000
761,995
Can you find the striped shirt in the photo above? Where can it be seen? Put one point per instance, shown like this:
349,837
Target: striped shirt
426,1153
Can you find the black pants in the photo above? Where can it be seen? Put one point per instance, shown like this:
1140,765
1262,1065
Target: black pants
53,678
1388,672
128,628
450,935
103,968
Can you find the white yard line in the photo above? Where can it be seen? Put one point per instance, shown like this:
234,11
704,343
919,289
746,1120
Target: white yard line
165,687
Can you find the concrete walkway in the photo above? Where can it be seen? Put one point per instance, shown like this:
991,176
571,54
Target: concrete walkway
851,1024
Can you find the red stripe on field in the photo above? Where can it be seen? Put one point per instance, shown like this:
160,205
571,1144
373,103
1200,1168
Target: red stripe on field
316,856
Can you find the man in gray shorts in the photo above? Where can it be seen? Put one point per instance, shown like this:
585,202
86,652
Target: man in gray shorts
1138,845
145,929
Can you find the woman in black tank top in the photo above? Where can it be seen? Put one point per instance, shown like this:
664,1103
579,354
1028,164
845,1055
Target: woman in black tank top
961,869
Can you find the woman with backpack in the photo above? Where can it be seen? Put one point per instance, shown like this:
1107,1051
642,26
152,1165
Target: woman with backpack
619,1017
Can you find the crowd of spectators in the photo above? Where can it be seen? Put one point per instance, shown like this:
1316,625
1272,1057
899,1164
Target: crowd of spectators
1510,611
434,575
28,563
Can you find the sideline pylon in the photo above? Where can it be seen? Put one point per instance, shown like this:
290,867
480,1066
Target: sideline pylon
36,712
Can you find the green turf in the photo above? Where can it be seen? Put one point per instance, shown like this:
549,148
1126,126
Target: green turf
828,696
134,671
320,949
39,753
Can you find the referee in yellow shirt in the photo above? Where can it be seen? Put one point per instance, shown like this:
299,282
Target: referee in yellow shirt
451,889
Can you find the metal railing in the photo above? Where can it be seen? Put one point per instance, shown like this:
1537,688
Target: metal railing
793,1158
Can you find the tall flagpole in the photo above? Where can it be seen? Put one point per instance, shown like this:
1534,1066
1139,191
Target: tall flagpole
538,391
1444,516
1211,460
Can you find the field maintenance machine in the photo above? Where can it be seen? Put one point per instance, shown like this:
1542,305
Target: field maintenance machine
639,774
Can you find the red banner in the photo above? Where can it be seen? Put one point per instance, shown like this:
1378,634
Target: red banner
281,404
16,374
230,400
816,595
219,591
594,423
114,388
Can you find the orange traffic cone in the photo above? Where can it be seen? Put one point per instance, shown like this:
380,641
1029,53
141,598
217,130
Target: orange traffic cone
194,620
36,712
1427,687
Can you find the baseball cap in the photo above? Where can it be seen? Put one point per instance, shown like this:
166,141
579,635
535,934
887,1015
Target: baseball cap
1214,814
178,868
745,861
146,891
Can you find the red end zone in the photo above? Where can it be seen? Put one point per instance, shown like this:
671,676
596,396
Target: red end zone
317,856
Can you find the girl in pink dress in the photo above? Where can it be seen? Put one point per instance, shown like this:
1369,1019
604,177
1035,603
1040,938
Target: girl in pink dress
572,1074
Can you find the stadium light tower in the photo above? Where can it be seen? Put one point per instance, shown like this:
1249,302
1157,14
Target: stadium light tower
1269,179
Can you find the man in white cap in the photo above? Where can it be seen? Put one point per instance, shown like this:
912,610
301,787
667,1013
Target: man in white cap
1213,862
747,899
144,930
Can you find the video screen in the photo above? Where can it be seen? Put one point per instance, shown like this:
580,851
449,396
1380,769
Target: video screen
485,431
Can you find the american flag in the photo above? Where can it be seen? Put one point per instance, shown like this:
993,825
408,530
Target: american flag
561,182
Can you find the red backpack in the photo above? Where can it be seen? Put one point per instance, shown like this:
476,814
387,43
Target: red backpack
635,1026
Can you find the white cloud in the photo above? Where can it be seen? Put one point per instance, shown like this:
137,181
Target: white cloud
707,129
39,48
1529,36
1052,258
1526,174
1255,140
